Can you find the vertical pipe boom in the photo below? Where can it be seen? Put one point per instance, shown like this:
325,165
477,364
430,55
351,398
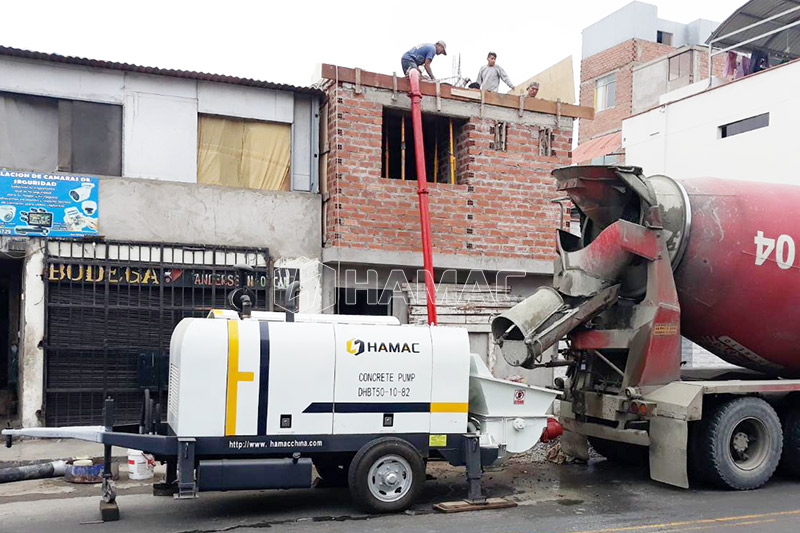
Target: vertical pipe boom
422,191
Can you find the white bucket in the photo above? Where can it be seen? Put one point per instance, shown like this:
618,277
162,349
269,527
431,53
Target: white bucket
140,465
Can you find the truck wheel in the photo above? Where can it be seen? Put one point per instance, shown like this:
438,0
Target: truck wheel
333,471
741,444
386,475
623,453
790,461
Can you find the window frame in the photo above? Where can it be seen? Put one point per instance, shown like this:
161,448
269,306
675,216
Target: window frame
678,60
88,135
737,127
601,90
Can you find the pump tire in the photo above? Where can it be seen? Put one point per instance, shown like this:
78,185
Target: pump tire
623,453
741,445
380,466
333,472
790,460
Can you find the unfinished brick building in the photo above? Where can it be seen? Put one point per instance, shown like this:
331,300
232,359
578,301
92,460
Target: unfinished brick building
489,159
629,60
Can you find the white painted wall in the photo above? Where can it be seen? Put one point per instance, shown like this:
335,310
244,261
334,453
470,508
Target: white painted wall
682,138
159,137
639,20
31,358
245,102
160,113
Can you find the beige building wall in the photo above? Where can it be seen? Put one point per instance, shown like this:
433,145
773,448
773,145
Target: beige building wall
555,83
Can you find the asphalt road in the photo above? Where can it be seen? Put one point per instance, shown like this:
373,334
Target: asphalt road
594,498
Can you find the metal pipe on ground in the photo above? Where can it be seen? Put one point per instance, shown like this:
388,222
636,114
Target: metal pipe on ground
36,471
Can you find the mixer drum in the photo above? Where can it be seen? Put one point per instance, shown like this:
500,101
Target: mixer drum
738,279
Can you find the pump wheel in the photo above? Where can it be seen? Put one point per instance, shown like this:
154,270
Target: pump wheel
741,444
386,475
333,471
790,462
623,453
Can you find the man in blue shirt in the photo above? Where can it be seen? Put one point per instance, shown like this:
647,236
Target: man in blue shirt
422,54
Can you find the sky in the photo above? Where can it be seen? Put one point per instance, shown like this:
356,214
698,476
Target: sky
286,41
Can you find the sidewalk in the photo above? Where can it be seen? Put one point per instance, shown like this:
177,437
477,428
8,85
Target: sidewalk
28,451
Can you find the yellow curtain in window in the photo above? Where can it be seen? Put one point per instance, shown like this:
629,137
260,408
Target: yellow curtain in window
243,153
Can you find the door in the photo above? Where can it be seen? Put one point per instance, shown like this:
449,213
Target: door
10,308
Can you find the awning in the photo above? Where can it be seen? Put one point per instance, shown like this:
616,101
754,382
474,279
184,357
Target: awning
771,35
597,147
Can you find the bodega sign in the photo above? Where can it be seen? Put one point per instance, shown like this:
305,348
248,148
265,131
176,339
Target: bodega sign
131,275
153,276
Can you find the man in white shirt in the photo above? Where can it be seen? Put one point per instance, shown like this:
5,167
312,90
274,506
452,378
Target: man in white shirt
490,75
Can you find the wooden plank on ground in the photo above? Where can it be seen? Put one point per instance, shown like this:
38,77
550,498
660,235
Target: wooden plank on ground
463,505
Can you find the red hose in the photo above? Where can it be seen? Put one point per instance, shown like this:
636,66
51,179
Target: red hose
422,191
553,430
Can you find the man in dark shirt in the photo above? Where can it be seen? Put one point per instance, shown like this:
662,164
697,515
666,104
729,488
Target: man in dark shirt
422,54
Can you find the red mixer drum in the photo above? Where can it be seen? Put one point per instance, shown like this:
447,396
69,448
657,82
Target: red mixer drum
738,275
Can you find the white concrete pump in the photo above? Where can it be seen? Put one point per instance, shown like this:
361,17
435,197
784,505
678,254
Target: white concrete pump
254,402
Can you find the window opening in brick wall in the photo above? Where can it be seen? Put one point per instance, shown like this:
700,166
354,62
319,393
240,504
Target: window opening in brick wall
374,302
397,146
742,126
680,65
545,142
500,136
605,92
664,37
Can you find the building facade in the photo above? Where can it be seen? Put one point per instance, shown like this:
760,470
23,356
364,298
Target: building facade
629,59
193,174
493,215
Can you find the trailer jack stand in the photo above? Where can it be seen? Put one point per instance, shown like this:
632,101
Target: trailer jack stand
475,500
187,489
474,471
109,510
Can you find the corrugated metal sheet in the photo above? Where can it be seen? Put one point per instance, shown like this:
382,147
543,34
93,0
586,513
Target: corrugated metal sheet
598,147
784,43
185,74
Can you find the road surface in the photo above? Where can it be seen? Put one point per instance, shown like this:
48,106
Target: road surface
594,498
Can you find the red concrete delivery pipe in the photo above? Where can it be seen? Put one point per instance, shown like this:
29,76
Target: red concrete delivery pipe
422,191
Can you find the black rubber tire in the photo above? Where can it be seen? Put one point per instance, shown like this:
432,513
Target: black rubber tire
333,471
367,456
716,458
623,453
790,460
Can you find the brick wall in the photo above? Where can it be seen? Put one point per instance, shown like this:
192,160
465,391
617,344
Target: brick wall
500,206
718,68
620,59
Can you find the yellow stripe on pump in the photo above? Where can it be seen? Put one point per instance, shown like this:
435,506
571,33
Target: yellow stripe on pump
449,407
234,377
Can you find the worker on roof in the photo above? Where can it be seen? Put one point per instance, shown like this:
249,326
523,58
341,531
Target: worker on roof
533,89
490,75
422,54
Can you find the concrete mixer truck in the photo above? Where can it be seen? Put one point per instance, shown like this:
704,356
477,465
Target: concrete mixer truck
658,258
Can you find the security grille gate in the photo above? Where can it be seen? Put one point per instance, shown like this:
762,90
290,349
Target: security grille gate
110,311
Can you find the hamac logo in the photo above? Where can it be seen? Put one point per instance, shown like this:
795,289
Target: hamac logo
355,346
